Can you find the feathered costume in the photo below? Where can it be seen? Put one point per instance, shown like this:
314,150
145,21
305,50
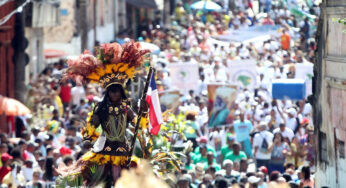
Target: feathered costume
113,65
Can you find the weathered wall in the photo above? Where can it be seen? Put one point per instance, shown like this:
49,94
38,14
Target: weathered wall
330,98
67,27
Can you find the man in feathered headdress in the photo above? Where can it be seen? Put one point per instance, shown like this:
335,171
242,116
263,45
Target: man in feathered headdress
111,68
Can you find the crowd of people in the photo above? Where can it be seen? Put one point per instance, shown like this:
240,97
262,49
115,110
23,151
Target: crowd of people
264,142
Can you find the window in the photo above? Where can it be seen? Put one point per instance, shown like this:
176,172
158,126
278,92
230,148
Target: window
341,149
323,147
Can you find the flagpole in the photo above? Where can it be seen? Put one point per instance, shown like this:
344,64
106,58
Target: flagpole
143,98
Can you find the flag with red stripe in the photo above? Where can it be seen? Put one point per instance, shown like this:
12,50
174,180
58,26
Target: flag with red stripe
155,114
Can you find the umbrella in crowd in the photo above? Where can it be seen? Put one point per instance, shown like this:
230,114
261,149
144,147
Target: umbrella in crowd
149,46
12,107
206,5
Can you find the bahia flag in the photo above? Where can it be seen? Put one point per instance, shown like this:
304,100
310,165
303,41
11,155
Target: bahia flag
155,116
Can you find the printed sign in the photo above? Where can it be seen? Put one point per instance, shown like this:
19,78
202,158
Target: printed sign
305,72
243,73
169,100
220,99
184,76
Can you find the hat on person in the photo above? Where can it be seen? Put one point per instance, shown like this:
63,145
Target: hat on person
43,136
254,179
262,124
185,177
202,139
281,179
65,151
292,111
33,144
310,128
263,169
305,121
227,161
90,98
5,157
199,168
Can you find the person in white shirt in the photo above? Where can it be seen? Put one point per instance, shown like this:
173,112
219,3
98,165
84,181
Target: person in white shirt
261,142
273,120
77,94
220,74
30,149
262,84
202,85
305,109
285,131
292,121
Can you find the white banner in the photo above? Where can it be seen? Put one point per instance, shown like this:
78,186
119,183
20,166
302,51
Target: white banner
184,76
305,72
243,73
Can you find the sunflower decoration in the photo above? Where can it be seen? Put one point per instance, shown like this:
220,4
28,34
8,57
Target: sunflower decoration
89,132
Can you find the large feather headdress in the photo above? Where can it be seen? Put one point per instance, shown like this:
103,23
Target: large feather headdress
113,64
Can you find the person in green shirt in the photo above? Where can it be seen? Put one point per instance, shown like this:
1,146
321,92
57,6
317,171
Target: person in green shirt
228,148
236,155
211,162
203,141
202,157
189,165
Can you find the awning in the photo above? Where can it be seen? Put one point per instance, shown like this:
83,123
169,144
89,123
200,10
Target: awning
143,3
53,53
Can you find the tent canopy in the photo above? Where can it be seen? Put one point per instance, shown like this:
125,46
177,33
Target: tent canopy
143,3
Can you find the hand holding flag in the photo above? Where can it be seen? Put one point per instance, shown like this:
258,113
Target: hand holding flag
155,114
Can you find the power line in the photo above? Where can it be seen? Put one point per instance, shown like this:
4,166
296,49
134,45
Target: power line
17,10
2,2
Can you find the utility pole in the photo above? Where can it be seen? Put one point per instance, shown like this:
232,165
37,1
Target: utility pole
83,5
20,58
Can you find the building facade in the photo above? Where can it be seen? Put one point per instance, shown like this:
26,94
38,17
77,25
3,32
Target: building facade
330,97
7,79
